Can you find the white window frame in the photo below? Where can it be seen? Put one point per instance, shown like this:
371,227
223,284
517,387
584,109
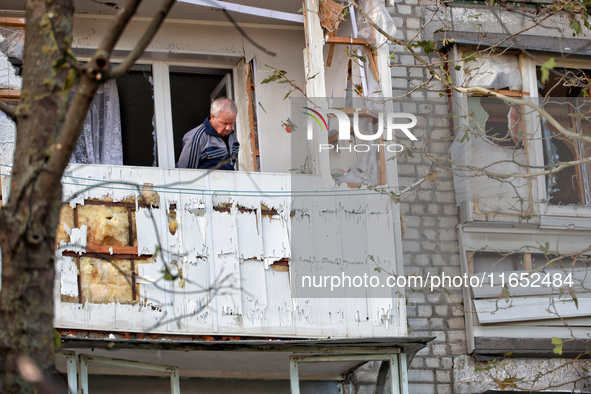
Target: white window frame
163,107
551,215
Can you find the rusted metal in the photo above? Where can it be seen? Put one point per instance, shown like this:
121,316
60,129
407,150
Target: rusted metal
106,256
133,291
117,204
77,258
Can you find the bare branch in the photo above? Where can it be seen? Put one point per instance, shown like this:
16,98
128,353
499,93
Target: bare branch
116,29
8,109
143,41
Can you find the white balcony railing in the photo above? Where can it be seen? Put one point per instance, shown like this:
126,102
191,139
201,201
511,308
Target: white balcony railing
231,267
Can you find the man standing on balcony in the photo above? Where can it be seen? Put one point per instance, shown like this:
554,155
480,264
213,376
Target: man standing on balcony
213,144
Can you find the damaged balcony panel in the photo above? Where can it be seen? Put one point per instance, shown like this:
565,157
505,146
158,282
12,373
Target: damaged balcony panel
228,288
280,305
380,240
149,225
275,223
250,233
193,226
256,312
354,247
224,232
215,290
197,296
326,229
328,313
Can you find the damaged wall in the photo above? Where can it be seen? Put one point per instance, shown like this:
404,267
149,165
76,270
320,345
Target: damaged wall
101,275
227,265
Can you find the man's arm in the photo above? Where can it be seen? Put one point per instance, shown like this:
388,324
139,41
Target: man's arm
190,153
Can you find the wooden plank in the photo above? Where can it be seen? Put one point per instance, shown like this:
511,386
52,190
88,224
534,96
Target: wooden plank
470,259
252,124
10,94
382,179
346,41
108,250
12,22
371,59
527,264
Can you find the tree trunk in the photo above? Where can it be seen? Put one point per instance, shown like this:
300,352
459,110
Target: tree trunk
29,220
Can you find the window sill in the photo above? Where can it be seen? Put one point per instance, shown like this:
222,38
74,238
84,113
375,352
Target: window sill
566,217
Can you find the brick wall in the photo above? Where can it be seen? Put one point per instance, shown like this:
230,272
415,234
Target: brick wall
430,242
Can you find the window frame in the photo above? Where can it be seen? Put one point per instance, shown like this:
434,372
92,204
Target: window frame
550,214
163,106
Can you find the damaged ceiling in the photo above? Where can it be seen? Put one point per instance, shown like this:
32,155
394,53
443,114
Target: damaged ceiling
182,10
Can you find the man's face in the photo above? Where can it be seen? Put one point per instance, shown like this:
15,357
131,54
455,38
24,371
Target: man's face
223,124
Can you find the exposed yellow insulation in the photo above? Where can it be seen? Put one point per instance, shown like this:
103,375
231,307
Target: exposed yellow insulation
107,281
104,281
66,224
150,197
105,225
173,224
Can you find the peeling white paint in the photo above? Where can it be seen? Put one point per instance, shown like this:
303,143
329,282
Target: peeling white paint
78,237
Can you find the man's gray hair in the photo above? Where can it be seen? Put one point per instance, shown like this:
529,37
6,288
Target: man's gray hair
223,105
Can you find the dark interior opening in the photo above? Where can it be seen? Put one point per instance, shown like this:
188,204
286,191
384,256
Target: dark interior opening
190,100
136,105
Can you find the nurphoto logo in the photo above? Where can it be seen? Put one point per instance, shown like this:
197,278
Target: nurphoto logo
402,121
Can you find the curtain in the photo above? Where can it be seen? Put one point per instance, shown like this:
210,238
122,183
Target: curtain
100,139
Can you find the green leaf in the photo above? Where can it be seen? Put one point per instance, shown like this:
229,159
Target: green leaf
546,68
458,68
576,26
506,292
545,248
168,275
70,79
57,339
578,115
409,153
471,58
557,342
428,46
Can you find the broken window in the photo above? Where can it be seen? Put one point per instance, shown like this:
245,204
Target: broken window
136,100
12,33
502,123
565,96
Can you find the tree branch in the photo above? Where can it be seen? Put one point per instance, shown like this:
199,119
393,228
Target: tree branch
117,26
447,82
143,41
9,110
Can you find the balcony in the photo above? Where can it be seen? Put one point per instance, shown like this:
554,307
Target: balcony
223,253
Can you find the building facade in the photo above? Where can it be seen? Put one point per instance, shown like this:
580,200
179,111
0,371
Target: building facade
185,280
